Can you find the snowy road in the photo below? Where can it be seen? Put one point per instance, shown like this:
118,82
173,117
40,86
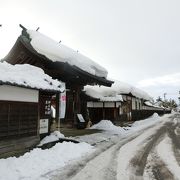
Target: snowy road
151,153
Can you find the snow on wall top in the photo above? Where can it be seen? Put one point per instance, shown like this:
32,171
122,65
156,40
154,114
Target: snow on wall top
28,76
148,103
115,91
58,52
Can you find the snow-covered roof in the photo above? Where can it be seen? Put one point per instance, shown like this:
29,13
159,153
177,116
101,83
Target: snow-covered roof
115,91
148,103
55,51
28,76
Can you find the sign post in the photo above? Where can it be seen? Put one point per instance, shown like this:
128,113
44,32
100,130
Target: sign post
62,105
43,126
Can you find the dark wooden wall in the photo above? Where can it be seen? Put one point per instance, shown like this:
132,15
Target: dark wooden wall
96,114
143,114
18,119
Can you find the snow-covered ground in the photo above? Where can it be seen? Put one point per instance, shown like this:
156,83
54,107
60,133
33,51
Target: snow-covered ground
33,165
37,163
111,131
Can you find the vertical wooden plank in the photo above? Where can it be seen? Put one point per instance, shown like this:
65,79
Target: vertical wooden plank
115,111
8,118
57,110
103,110
38,123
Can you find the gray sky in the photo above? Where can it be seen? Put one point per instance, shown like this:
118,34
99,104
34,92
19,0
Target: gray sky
138,41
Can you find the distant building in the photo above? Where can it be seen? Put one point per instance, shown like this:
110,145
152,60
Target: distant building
120,102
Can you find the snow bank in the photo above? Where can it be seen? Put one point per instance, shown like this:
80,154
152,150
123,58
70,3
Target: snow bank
146,122
54,136
108,126
114,92
28,76
58,52
38,162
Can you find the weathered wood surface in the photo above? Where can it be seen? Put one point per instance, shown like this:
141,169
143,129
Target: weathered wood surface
18,119
17,146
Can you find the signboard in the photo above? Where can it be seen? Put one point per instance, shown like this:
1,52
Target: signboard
62,103
43,126
47,107
80,117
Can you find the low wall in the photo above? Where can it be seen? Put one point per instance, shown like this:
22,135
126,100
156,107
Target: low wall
96,114
143,114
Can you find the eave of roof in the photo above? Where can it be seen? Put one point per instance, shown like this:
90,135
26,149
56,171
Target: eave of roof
25,40
28,87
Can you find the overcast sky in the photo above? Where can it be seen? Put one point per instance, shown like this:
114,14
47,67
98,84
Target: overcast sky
137,41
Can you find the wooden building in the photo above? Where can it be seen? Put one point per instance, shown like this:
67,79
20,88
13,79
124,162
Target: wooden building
62,63
25,106
121,102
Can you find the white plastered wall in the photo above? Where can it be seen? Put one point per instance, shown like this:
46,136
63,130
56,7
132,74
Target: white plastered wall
13,93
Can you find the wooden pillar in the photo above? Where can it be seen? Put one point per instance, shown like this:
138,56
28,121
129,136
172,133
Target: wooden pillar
57,110
103,111
77,103
115,111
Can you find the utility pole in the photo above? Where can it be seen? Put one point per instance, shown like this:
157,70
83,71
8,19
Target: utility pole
165,96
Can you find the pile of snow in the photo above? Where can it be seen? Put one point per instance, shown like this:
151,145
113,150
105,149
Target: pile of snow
108,126
54,136
58,52
114,92
38,162
28,76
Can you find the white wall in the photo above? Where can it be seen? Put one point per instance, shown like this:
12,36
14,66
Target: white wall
118,104
12,93
109,104
95,104
133,103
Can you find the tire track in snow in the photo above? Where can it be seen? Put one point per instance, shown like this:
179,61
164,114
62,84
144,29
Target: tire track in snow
139,161
82,166
155,168
137,152
175,140
104,166
104,163
166,154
